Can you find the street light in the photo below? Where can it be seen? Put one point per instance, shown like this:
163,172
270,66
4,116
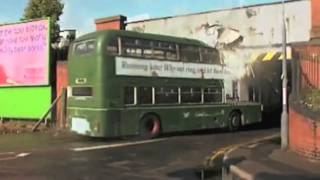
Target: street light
284,114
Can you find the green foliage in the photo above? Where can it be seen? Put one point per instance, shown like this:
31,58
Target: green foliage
45,8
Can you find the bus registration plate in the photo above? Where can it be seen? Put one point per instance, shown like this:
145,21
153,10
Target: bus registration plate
80,125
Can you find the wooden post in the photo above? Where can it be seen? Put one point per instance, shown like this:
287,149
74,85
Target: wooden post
35,127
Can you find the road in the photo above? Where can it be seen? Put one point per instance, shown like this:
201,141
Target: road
57,155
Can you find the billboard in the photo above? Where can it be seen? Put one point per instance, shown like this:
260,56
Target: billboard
24,53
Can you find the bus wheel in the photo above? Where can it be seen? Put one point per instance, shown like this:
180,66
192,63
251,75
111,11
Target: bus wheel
150,126
235,121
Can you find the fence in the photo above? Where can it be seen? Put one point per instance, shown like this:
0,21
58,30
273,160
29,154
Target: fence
306,76
304,116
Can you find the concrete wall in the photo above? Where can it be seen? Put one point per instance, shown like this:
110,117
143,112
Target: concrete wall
259,25
248,30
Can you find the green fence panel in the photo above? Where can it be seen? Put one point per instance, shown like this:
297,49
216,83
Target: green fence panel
24,102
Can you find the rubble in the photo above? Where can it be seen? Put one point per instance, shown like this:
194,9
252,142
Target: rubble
19,127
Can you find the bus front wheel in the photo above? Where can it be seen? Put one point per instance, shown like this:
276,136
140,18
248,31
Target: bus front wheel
150,126
235,121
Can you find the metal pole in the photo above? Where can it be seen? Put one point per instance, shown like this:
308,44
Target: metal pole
284,115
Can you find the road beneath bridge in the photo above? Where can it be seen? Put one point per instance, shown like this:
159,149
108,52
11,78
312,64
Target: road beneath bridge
57,155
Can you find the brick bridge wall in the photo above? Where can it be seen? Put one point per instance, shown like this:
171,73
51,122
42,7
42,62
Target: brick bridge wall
304,135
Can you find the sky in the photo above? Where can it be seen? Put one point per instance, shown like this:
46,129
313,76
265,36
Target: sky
80,14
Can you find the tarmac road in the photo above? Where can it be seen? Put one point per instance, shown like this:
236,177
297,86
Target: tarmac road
65,156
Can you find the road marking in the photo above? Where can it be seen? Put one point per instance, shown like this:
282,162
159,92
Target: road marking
7,153
241,173
108,146
251,146
21,155
224,152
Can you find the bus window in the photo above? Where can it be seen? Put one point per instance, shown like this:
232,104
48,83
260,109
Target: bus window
166,95
85,47
146,46
171,51
147,53
129,95
189,53
210,56
112,47
212,94
190,94
131,47
81,91
145,95
165,50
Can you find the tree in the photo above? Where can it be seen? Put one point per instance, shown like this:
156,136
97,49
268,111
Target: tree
45,8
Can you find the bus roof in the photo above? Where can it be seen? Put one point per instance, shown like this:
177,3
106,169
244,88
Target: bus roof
150,36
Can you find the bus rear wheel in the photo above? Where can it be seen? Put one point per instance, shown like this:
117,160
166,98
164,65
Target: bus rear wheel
235,121
150,126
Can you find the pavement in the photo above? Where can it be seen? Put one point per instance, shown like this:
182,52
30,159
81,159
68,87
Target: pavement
265,160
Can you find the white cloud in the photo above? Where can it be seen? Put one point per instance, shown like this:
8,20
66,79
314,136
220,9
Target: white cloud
138,17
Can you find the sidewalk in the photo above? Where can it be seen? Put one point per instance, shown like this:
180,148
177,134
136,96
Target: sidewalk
265,161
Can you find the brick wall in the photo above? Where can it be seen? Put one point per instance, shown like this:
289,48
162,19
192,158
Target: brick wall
315,7
62,83
304,135
116,25
111,23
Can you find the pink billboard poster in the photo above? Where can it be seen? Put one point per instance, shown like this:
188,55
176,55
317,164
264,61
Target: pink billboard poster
24,54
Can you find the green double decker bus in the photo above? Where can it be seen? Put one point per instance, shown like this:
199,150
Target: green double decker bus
124,83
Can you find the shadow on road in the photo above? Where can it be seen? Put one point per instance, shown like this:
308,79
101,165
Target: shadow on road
194,174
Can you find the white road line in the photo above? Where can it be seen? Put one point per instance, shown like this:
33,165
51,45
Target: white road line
21,155
241,173
6,153
108,146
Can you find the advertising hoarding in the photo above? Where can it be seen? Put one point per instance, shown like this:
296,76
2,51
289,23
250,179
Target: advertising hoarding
155,68
24,53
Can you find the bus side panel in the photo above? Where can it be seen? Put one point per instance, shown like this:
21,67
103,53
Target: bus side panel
176,119
104,123
250,113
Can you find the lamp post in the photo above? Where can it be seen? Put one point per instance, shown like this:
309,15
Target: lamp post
284,114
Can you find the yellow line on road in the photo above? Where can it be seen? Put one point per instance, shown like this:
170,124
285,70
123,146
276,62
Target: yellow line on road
108,146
